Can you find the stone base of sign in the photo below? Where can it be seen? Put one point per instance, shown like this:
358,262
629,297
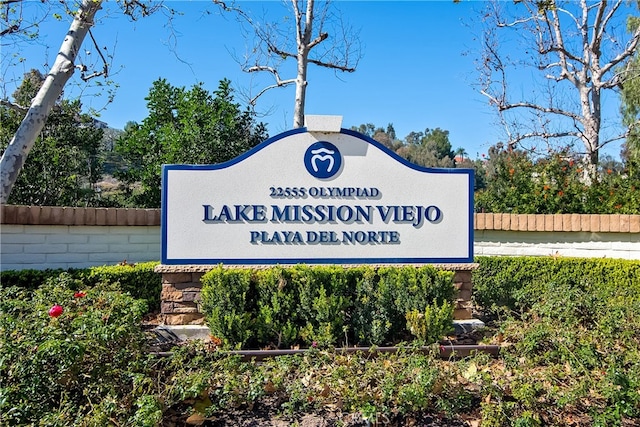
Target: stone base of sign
180,296
464,285
181,287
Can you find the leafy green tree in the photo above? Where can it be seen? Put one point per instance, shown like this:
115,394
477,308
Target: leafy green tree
367,129
518,183
112,161
183,126
64,164
386,137
630,97
429,148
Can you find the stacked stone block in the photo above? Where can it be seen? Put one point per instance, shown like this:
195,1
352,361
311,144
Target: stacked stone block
180,296
464,286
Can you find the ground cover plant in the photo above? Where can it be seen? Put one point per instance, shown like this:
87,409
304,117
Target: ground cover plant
71,355
75,355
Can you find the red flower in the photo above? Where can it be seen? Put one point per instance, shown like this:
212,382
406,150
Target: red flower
79,294
56,310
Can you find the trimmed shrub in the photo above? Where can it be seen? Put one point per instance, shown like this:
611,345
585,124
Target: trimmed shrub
278,313
325,301
139,280
229,304
31,279
323,305
429,325
516,283
384,296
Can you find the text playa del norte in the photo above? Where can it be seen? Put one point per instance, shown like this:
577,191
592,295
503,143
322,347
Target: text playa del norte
384,220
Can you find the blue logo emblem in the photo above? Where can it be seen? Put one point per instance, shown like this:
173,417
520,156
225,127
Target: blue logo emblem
322,160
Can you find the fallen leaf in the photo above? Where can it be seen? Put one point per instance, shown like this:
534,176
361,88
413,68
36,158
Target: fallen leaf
269,387
196,420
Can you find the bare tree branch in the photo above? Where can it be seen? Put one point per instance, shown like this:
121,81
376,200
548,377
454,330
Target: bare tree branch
576,51
105,65
310,23
12,105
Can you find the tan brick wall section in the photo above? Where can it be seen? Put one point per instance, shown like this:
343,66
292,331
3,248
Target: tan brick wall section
559,222
53,215
48,215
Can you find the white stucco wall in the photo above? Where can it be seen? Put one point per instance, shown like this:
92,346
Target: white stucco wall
37,237
63,246
68,246
569,244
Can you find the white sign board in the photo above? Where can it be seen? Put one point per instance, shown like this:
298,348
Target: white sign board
316,198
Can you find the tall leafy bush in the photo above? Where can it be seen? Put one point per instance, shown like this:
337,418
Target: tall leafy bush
139,280
81,363
228,301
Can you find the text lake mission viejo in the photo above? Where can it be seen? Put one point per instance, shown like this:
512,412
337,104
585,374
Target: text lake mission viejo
316,197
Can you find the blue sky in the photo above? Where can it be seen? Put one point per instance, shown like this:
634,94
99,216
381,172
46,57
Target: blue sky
416,71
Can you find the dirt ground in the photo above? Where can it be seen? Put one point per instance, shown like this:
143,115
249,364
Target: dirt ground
266,416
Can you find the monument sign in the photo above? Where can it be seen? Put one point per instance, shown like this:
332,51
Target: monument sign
316,195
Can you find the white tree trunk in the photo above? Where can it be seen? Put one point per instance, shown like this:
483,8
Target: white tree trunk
16,153
343,55
301,92
304,30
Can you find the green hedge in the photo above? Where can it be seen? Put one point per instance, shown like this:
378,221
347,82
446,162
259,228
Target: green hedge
327,305
32,279
139,280
516,283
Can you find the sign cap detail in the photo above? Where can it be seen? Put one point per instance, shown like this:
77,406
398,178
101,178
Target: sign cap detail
327,124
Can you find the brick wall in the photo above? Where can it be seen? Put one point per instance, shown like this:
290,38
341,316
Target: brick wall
60,237
63,237
571,235
559,222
